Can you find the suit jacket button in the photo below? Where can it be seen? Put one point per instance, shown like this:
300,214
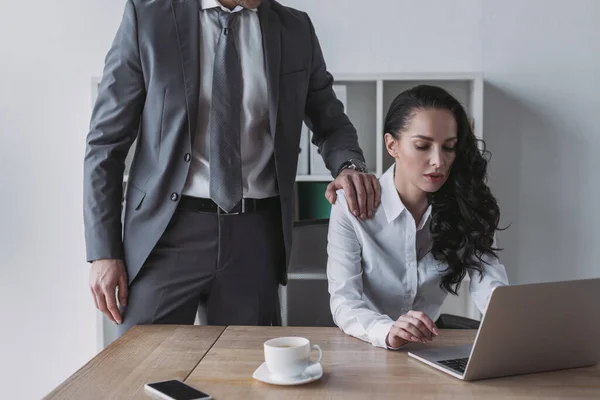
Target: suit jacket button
174,196
187,157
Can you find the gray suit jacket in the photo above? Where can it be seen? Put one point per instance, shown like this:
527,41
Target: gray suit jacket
150,89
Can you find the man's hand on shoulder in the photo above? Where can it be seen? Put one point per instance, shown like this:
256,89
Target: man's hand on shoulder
105,276
362,192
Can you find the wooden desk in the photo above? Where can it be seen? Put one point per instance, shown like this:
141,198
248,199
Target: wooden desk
144,354
353,369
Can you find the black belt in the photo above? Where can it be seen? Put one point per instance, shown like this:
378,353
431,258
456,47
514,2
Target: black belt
244,206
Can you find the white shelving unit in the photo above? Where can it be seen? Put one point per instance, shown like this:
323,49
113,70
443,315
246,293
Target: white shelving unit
368,98
313,178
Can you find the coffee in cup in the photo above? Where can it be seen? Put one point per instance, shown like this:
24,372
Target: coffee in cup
288,357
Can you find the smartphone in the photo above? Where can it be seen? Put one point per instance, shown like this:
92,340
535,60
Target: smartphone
175,390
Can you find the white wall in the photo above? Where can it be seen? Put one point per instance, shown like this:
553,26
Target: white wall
540,58
542,66
397,35
541,62
48,52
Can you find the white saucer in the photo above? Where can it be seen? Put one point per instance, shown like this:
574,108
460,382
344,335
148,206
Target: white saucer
312,373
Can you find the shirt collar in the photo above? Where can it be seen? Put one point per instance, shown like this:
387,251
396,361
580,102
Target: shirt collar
206,4
391,202
425,218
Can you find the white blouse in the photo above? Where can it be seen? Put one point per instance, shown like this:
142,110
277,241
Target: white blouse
381,268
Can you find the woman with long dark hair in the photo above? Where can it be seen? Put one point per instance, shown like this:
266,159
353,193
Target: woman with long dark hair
389,275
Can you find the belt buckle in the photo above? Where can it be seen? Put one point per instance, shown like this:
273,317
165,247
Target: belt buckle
220,211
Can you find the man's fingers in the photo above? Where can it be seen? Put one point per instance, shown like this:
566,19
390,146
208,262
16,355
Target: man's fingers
123,290
111,303
370,195
419,325
361,195
351,197
330,193
101,301
377,190
106,276
425,319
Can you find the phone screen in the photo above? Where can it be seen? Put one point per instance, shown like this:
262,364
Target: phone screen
178,390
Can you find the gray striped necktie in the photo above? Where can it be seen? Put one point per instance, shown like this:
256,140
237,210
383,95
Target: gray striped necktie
224,121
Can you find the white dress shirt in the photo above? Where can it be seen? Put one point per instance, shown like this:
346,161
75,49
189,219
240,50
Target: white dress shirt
258,168
381,268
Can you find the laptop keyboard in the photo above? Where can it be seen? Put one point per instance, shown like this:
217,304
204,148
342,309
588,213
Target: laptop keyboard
457,364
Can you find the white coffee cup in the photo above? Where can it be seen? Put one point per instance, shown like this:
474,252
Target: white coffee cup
288,357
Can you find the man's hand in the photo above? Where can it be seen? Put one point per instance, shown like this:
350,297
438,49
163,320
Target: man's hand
105,276
414,326
362,192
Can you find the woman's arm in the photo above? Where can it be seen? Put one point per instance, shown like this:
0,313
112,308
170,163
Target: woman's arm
344,272
481,286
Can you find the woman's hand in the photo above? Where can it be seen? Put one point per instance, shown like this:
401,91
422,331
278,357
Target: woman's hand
414,326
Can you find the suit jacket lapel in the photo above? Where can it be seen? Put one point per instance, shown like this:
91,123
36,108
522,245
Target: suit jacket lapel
271,36
187,21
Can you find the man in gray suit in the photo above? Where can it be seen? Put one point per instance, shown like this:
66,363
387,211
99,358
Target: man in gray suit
215,93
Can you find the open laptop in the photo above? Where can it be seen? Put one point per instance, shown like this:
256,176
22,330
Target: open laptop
528,328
